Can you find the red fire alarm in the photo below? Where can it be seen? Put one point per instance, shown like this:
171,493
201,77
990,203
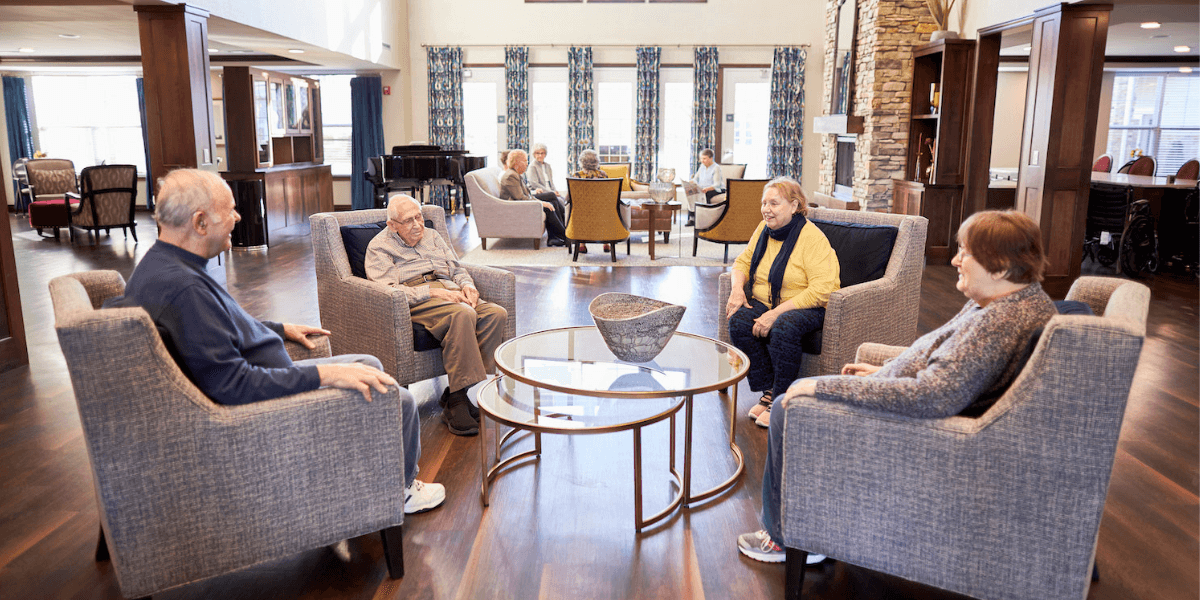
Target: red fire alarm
387,90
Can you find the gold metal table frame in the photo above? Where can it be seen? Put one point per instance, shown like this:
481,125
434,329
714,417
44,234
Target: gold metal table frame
726,386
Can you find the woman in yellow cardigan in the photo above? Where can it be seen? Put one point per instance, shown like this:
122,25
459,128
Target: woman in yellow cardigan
781,283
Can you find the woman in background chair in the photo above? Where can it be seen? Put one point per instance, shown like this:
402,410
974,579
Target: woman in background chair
780,285
961,367
707,180
589,168
539,175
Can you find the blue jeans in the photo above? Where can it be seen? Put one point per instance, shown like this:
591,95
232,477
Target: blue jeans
772,494
410,423
775,359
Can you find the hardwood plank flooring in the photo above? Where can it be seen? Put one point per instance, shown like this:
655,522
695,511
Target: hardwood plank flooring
560,527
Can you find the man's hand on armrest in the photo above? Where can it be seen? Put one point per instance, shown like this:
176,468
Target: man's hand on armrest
860,369
354,376
300,333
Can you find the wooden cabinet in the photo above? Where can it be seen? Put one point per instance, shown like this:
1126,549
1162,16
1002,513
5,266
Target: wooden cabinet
294,192
936,161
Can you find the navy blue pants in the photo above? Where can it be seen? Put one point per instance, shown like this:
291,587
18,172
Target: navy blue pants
775,359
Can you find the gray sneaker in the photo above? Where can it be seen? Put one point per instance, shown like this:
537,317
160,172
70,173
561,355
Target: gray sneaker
758,546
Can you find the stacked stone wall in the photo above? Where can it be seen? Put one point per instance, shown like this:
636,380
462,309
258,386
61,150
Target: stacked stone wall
888,30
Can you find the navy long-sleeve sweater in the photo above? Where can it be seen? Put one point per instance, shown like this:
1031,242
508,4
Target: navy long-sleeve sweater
232,357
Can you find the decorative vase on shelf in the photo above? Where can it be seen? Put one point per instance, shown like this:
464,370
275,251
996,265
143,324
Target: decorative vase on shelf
943,34
635,328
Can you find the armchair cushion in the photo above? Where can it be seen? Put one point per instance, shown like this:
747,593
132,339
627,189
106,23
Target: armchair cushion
357,238
621,172
863,250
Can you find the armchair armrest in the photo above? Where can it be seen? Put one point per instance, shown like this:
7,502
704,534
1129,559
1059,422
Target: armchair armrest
500,287
708,214
368,317
844,314
877,354
297,351
638,186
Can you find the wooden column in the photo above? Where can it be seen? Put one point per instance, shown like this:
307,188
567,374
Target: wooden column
178,89
1061,107
13,351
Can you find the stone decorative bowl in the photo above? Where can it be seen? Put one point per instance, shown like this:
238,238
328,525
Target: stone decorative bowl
635,328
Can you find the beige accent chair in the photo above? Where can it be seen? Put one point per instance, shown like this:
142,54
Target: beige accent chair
496,218
884,310
188,489
367,317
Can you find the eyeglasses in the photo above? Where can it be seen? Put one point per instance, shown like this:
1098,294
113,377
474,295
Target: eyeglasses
962,253
409,222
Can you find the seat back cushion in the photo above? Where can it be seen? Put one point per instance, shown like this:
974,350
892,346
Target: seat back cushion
356,238
863,250
619,171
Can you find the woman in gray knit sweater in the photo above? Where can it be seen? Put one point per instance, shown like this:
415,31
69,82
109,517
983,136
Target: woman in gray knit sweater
961,367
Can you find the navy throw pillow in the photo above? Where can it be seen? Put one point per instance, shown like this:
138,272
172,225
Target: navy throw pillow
1073,307
862,250
356,238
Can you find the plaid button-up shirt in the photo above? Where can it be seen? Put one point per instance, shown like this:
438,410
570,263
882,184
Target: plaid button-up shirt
391,261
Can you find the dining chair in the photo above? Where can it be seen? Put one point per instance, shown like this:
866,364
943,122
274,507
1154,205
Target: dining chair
1188,170
1103,164
107,199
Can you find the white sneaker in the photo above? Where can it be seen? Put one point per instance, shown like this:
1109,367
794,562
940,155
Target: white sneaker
421,496
758,545
341,550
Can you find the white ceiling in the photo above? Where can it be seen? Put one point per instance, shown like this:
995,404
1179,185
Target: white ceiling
109,28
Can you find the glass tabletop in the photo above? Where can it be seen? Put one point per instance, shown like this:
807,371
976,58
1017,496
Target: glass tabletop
529,407
575,360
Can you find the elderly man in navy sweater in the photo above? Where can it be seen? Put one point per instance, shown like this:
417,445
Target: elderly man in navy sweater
231,356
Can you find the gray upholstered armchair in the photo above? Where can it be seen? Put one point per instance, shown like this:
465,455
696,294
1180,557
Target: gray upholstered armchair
1006,506
366,317
883,311
188,489
496,218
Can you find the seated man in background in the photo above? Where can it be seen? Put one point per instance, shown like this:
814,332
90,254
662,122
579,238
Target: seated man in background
512,187
442,297
231,356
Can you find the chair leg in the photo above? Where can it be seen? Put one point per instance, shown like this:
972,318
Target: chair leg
133,230
393,551
793,583
575,257
1095,571
695,244
537,244
482,243
101,548
666,237
726,259
613,248
626,246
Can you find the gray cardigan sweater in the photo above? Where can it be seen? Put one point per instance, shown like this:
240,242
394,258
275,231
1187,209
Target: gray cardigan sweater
963,365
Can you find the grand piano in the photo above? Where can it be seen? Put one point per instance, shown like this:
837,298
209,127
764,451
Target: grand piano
413,167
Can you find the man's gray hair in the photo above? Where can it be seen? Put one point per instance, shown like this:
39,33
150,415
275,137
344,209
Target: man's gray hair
182,192
394,204
539,147
589,160
708,152
512,157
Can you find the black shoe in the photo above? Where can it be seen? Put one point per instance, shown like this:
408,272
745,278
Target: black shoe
474,410
556,242
457,418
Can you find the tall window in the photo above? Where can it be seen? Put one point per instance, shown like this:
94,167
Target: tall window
615,110
335,121
747,97
1157,114
675,120
483,105
548,118
89,120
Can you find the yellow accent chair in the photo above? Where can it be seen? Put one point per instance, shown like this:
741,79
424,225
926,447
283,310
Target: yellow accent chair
596,214
733,220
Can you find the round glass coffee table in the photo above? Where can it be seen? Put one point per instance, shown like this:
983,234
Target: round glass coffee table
566,381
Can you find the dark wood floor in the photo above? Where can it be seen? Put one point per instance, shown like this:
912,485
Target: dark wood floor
561,528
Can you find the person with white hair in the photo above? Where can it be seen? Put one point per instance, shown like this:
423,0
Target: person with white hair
231,356
540,176
442,297
512,187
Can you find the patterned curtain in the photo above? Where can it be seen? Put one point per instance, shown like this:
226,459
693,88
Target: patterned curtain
445,107
366,136
785,137
581,108
516,78
646,149
704,104
16,117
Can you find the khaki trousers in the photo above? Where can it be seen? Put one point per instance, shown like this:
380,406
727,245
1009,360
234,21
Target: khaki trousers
469,336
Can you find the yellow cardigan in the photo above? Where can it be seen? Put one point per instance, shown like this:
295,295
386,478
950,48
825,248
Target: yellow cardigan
812,271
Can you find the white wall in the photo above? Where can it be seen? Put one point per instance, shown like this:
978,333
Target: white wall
1010,115
676,27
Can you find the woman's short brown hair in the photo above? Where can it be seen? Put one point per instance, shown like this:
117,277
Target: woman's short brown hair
1005,241
791,191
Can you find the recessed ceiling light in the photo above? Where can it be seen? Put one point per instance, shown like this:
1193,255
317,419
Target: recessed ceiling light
213,50
1183,48
68,36
1151,25
1185,69
26,50
296,51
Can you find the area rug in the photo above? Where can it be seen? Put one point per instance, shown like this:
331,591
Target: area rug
520,253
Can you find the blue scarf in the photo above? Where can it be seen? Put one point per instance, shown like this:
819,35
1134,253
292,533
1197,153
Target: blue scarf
788,234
